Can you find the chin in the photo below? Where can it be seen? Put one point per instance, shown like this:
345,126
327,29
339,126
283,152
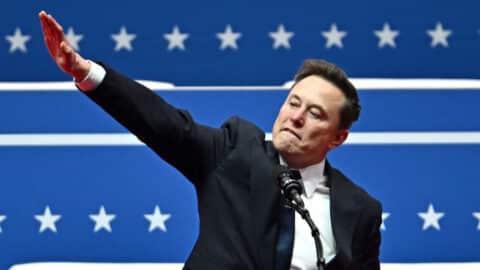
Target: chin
286,144
286,148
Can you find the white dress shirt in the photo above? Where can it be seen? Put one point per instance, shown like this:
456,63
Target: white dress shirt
94,78
317,202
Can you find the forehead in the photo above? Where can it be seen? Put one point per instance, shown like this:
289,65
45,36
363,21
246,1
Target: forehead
315,89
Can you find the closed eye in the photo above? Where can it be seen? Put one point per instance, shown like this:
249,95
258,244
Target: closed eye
317,113
294,104
294,101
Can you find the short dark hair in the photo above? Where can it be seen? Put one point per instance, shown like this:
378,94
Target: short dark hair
350,111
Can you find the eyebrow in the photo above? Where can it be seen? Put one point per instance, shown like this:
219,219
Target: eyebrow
295,96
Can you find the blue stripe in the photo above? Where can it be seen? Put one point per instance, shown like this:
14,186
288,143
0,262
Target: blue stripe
71,112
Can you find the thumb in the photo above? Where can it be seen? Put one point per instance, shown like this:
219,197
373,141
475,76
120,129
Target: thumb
67,58
66,49
73,63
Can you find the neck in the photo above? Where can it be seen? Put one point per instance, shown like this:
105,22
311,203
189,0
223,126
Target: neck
296,163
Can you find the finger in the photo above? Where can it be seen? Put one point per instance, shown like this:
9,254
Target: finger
55,23
43,22
57,30
51,25
47,27
48,36
69,56
53,35
41,15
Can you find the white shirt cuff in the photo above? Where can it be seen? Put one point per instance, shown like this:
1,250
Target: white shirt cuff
94,78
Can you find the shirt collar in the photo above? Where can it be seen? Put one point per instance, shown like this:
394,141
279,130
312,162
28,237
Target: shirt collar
313,178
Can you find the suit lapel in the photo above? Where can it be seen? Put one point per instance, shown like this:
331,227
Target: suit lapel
264,203
344,212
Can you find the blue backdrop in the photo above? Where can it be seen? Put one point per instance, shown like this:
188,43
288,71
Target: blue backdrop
130,181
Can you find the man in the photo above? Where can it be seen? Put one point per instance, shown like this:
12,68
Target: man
241,212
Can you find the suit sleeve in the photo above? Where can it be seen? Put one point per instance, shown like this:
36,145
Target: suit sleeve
193,149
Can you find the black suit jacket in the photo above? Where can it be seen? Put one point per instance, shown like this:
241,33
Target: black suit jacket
238,197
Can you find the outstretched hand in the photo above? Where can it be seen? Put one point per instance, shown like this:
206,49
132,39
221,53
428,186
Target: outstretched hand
60,50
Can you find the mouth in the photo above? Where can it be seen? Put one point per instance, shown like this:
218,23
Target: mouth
291,132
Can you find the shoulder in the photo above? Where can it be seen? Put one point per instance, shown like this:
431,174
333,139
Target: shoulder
240,130
356,192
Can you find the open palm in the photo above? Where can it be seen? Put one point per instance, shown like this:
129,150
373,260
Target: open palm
60,50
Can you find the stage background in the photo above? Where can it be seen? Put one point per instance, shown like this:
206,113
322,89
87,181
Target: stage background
51,152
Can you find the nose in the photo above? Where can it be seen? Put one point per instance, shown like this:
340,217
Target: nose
298,118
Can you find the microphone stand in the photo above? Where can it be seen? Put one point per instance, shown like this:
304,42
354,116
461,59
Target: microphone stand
315,232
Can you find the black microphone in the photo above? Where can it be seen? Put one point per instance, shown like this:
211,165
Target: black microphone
289,184
292,189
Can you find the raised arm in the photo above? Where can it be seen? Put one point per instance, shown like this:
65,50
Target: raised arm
60,50
193,149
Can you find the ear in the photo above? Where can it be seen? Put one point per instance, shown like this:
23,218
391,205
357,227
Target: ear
339,138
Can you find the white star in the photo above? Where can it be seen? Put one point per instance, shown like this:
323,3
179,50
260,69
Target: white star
229,38
431,218
439,35
102,220
157,220
281,38
385,215
176,39
477,216
73,39
17,41
2,218
123,39
334,37
47,220
386,36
